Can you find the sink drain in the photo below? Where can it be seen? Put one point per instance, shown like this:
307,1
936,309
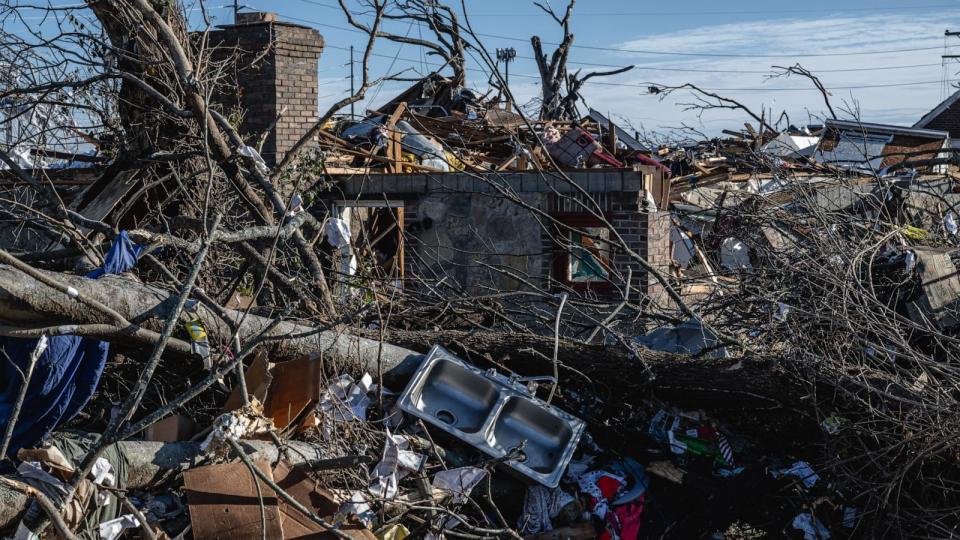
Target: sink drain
446,417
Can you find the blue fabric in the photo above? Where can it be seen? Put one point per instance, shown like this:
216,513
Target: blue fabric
66,374
122,256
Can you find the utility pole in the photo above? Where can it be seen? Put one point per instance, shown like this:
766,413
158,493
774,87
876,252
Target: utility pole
352,112
506,56
236,9
945,59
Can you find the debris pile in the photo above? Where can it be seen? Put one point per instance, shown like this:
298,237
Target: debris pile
445,318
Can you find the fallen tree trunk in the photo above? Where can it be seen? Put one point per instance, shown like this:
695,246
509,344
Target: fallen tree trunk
27,303
147,461
617,393
605,385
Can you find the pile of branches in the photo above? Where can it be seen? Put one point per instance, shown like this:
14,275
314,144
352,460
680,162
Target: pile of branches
828,296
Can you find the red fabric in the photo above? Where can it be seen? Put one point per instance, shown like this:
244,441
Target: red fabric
623,522
706,433
608,487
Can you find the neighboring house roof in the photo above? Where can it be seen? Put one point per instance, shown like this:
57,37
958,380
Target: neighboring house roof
943,107
887,129
862,145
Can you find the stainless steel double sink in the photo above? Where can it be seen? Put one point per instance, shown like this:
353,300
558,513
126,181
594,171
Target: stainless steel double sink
494,414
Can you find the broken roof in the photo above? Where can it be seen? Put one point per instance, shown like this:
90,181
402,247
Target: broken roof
622,135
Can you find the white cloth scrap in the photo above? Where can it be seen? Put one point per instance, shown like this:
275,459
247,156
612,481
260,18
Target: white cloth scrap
801,470
540,506
102,474
812,528
110,530
337,232
250,152
460,482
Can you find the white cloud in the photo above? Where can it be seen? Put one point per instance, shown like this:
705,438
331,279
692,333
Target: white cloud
626,94
898,104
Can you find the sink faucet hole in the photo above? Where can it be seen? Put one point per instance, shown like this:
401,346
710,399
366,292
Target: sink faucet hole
446,417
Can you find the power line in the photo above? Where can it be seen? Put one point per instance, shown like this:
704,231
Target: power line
413,61
720,55
650,68
665,53
724,12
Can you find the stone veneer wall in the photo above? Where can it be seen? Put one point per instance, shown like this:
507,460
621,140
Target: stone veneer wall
471,230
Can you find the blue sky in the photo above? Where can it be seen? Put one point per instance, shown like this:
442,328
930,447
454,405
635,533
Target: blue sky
879,56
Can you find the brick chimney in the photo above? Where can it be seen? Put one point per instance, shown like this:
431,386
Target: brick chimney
275,74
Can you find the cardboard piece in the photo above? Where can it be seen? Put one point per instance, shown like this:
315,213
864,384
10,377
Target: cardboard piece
172,429
224,504
295,386
323,502
286,389
258,378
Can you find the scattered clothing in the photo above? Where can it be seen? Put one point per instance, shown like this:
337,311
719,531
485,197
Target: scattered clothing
540,507
801,470
65,375
623,522
812,528
602,487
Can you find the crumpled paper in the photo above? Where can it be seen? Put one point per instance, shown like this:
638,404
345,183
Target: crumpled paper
801,470
102,474
235,425
345,400
111,530
356,506
459,482
396,463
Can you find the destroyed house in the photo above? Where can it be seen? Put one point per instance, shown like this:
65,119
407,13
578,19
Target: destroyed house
418,212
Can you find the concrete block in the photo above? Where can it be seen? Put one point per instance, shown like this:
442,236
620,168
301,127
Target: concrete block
596,183
514,182
529,182
632,181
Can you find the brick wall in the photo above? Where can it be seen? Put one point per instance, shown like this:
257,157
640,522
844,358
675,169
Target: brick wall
273,71
948,120
645,233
